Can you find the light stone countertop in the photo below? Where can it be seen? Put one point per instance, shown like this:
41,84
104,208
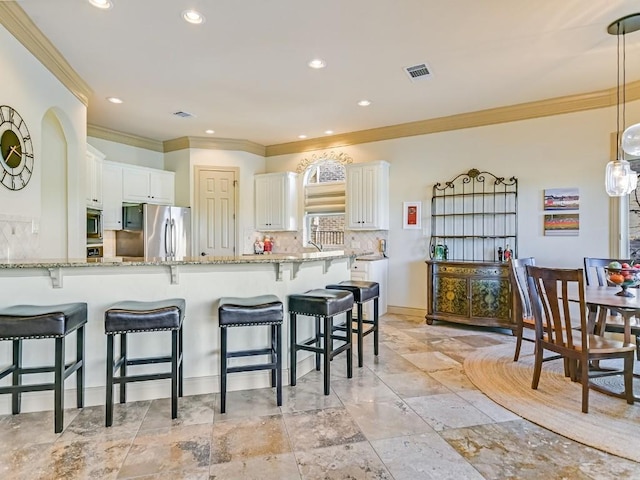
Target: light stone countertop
140,261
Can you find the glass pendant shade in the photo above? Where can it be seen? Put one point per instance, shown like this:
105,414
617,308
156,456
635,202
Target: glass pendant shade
631,140
620,180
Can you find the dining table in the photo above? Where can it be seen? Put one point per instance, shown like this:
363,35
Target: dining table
600,300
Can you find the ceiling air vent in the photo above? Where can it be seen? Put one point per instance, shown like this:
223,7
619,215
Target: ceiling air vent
182,114
418,72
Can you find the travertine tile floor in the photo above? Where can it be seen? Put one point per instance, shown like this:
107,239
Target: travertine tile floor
409,414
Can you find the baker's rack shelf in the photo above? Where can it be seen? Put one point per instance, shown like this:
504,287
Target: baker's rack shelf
474,214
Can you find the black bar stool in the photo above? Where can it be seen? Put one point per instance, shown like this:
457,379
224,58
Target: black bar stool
321,304
135,317
249,312
362,293
25,322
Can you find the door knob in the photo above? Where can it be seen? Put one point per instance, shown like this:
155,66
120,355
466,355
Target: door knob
203,254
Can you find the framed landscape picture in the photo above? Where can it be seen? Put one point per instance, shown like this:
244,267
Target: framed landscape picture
562,224
561,199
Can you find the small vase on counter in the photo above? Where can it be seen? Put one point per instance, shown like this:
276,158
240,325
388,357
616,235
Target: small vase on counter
258,247
268,245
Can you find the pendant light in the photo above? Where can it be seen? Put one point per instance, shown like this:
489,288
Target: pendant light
620,180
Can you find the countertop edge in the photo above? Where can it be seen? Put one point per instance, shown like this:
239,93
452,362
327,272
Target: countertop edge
120,262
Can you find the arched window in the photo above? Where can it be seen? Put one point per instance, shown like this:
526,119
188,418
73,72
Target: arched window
324,199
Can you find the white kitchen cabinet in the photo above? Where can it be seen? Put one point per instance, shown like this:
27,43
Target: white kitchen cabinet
148,185
276,201
112,195
368,196
372,269
94,177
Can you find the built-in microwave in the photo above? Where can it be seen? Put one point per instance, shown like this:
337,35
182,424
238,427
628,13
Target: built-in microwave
94,225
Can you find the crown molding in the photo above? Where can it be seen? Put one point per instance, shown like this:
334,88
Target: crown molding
492,116
18,23
214,144
124,138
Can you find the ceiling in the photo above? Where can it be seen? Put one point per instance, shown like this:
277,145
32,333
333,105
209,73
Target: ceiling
244,73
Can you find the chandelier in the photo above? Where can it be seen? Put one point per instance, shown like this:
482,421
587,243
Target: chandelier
620,180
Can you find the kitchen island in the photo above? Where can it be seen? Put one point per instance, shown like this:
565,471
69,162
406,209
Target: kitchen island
201,281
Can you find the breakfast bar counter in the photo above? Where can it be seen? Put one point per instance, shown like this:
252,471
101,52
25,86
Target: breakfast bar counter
201,281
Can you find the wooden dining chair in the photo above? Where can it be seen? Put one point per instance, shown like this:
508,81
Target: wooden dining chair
524,314
555,314
595,274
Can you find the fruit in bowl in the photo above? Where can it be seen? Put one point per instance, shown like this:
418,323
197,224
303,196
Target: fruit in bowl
623,275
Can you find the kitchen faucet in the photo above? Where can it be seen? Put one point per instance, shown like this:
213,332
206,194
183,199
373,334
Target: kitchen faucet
319,247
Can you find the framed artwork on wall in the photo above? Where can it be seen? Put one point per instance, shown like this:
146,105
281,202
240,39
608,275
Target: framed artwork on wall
562,224
561,199
411,215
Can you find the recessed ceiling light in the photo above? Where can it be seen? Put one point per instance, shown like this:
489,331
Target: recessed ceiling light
328,132
317,63
364,103
302,136
210,132
103,4
192,16
114,99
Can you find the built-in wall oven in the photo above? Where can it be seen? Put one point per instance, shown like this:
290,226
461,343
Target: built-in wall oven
94,226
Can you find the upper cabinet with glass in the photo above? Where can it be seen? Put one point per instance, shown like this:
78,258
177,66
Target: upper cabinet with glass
368,196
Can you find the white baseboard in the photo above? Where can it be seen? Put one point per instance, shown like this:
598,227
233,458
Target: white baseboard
412,312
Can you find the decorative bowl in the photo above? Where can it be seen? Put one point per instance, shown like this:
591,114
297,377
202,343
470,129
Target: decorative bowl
625,278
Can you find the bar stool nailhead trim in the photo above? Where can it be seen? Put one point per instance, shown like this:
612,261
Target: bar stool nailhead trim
363,292
324,305
248,312
135,317
28,322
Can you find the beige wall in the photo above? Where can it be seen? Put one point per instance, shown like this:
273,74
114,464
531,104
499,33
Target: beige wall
561,151
118,152
27,86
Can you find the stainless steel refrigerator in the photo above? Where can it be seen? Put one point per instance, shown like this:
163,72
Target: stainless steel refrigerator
153,231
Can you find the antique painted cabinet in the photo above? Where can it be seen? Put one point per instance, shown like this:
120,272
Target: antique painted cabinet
473,293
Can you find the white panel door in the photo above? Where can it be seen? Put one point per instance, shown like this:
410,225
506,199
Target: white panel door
217,212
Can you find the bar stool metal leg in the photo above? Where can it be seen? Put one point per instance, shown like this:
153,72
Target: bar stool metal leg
80,370
318,343
59,385
327,352
279,365
350,348
174,373
109,403
223,370
180,371
360,335
294,348
273,353
123,367
16,396
375,326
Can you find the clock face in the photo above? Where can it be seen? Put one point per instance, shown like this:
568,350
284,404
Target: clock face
16,150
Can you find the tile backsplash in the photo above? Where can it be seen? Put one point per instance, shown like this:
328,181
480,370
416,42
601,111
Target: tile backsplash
291,242
17,238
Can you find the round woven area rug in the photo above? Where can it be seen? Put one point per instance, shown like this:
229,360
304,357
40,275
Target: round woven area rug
611,424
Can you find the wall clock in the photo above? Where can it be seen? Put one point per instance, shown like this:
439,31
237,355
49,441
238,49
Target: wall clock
16,150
